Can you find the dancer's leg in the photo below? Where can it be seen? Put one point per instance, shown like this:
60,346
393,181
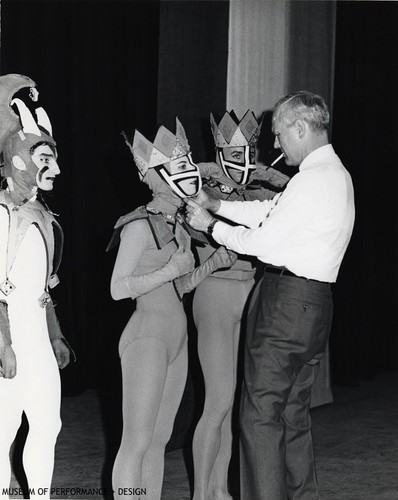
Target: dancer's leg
42,408
153,466
144,371
10,420
218,306
219,476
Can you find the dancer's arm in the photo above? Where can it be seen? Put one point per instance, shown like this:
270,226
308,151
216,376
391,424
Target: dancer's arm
134,241
62,350
221,258
8,363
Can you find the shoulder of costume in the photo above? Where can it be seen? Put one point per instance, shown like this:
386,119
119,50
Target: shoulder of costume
137,214
160,229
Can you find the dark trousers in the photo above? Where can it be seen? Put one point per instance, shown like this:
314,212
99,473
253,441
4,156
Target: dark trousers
287,330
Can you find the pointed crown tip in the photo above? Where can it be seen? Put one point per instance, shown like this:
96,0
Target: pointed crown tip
232,132
166,147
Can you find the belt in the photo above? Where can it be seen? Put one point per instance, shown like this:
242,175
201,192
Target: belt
282,271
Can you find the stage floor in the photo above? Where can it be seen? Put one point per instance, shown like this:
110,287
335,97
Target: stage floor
355,440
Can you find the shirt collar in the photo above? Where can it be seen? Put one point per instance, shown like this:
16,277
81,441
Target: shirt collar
315,156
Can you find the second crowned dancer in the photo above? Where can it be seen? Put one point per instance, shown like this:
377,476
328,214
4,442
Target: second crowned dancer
154,250
220,299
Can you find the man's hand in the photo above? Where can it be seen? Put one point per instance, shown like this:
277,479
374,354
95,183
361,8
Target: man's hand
204,200
8,362
197,216
61,352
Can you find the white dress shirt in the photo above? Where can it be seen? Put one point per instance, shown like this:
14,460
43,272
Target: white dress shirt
306,228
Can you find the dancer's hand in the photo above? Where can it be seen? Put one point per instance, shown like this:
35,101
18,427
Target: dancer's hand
183,260
223,257
219,259
8,361
61,352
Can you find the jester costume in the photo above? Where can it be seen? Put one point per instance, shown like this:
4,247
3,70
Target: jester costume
30,254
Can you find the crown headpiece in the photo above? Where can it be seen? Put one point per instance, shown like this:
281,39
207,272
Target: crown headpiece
231,132
166,146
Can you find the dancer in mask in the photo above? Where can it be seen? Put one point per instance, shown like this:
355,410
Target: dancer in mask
30,252
154,250
219,301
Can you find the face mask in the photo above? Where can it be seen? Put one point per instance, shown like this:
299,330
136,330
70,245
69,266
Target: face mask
242,168
182,175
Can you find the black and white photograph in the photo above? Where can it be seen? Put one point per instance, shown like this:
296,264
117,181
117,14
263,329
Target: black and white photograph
198,249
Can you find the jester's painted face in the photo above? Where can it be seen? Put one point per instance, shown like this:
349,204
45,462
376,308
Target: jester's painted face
237,162
182,175
45,159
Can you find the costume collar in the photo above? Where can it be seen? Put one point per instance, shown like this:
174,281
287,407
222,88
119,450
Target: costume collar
15,199
223,180
167,217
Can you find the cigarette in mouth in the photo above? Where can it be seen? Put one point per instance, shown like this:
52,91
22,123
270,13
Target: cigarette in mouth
276,161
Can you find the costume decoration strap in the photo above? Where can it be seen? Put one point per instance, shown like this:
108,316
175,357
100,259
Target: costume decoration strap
20,219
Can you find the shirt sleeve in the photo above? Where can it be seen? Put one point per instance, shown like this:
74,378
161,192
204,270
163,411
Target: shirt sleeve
272,224
248,213
125,283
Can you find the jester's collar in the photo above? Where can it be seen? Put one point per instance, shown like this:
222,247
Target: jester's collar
21,218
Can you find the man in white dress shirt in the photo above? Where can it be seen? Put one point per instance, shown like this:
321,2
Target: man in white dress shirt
302,235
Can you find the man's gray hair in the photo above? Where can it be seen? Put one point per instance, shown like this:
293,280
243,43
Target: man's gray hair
303,105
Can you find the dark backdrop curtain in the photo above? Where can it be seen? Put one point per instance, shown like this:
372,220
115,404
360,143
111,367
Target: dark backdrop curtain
193,55
365,134
311,35
96,66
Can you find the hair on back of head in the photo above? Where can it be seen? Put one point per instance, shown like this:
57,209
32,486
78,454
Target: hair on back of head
303,105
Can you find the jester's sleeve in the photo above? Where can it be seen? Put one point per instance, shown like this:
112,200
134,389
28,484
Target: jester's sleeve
54,329
5,334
